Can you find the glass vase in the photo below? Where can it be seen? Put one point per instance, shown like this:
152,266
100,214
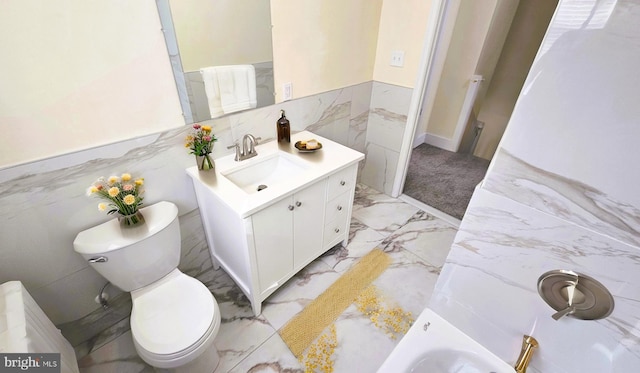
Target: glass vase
131,221
205,162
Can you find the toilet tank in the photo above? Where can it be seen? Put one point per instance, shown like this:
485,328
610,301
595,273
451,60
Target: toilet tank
131,258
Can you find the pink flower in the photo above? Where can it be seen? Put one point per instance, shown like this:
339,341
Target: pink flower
127,187
207,138
196,126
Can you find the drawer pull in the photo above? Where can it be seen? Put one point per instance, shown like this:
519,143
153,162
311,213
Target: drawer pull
291,208
339,208
343,182
337,230
298,203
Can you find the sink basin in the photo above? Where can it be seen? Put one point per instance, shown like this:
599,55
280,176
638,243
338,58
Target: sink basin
261,174
434,345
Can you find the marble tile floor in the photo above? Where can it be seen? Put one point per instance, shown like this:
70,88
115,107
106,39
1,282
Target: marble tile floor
418,244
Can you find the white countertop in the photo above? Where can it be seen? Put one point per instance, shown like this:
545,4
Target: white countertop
321,163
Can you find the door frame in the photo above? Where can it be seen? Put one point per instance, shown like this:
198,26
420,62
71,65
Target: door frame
440,14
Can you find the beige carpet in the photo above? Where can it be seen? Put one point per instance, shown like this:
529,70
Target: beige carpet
307,325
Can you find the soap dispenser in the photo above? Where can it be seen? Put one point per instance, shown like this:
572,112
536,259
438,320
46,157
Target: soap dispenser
283,127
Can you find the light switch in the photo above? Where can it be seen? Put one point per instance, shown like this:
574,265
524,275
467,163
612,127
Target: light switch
397,58
287,91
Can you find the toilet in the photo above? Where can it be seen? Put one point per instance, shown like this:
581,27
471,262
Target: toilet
174,318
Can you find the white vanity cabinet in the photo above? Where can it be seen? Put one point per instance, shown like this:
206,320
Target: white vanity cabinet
262,237
288,235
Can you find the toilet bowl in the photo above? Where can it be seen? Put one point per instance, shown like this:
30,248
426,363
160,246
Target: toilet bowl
174,318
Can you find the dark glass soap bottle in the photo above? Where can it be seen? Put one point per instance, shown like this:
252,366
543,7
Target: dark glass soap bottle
284,129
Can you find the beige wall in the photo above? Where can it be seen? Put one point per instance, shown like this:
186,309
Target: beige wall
222,32
81,73
529,26
323,45
471,27
402,28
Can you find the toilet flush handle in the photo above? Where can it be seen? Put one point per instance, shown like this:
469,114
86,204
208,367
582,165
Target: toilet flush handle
99,259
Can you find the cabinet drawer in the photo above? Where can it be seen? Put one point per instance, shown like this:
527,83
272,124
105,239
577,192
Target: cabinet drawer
342,181
337,207
334,232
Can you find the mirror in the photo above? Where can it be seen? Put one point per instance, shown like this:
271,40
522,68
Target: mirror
209,33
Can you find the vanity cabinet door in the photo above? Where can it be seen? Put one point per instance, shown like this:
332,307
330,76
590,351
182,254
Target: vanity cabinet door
308,221
273,238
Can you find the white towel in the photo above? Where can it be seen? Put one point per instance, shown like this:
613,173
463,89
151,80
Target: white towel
210,79
229,88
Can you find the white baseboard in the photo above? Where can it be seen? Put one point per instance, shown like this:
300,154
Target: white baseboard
418,139
440,142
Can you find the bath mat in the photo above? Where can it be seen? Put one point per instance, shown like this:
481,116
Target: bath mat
307,325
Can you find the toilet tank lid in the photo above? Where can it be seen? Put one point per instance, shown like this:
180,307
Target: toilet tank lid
109,236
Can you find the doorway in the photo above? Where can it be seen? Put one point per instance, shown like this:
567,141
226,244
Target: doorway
480,54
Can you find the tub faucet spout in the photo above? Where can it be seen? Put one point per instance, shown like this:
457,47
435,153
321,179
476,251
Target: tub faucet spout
528,345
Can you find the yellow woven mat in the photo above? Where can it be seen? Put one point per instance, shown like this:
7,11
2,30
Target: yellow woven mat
307,325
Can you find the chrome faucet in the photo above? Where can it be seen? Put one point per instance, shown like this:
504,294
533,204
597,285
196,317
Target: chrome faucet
528,344
248,150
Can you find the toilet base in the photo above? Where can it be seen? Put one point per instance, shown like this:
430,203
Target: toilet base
205,363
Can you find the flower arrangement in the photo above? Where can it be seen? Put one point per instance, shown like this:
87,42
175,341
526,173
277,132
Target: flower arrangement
201,143
201,140
124,196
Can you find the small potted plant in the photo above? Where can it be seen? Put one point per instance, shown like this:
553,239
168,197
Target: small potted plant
123,195
200,142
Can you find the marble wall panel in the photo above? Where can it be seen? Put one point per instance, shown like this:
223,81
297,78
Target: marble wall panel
386,123
44,204
488,287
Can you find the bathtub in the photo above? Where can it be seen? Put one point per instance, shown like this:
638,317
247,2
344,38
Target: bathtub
24,328
433,345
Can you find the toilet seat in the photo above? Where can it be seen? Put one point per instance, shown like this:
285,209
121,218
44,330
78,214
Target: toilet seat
172,319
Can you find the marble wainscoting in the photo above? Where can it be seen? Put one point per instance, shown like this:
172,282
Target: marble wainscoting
386,125
44,205
488,287
417,243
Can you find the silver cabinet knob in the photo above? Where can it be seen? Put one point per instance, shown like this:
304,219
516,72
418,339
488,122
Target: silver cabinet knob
99,259
339,208
343,182
298,204
291,208
337,230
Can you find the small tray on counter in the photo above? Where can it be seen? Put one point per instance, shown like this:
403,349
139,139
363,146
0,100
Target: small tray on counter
303,149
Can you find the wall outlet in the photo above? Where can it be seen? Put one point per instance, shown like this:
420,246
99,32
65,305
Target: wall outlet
287,92
397,58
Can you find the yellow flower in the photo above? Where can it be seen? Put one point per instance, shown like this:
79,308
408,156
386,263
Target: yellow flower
129,199
92,189
114,191
126,177
102,206
206,128
113,180
140,181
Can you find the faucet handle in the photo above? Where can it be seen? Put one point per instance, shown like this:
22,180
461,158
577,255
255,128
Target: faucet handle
237,146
